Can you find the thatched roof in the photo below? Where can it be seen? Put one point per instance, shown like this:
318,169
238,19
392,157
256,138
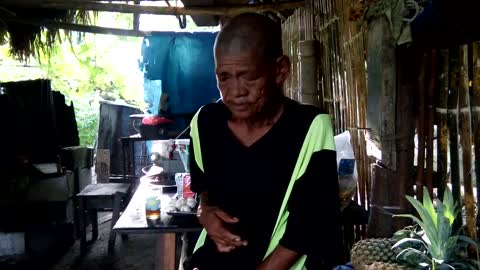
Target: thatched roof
33,25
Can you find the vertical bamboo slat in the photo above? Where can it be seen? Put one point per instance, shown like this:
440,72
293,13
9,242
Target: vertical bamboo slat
452,124
421,128
466,140
429,123
442,129
475,108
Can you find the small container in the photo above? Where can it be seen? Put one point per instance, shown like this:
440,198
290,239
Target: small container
152,207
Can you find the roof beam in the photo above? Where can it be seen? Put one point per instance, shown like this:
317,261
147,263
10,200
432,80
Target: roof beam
229,10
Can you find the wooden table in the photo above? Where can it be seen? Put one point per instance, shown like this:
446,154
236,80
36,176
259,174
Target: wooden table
167,228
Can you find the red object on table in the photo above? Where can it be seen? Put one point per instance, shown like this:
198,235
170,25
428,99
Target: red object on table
154,120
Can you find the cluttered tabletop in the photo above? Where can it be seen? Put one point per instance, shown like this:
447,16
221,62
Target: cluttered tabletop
134,218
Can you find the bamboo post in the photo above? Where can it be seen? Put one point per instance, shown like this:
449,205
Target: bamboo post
466,140
430,122
421,128
475,107
452,116
442,128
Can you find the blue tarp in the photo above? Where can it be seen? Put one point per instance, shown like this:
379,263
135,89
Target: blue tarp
184,63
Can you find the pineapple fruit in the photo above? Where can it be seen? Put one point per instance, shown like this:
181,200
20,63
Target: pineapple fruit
368,251
384,266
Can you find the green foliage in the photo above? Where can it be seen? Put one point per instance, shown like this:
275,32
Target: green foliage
434,245
86,69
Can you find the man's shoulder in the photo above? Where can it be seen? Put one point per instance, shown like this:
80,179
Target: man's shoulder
212,111
306,112
210,115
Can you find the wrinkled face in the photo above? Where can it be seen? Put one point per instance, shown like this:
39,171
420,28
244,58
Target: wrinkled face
246,82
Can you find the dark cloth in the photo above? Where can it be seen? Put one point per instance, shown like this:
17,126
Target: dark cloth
250,183
184,63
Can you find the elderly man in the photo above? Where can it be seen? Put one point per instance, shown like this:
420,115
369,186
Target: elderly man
264,165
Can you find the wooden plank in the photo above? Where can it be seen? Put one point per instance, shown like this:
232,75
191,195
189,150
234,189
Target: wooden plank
442,128
81,27
405,124
136,18
385,202
165,252
219,10
381,62
465,127
102,165
475,107
452,117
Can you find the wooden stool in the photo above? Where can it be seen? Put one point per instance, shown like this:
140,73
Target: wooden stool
99,196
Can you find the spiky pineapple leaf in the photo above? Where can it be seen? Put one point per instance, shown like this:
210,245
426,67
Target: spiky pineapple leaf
413,257
444,232
409,242
428,206
467,240
451,209
427,223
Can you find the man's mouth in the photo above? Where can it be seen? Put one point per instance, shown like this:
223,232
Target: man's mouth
240,106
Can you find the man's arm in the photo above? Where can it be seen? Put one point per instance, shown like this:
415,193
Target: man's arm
212,218
320,238
314,225
280,258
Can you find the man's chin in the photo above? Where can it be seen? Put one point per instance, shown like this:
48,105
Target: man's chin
241,115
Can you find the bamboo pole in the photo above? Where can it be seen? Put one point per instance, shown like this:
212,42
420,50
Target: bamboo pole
230,10
442,128
475,108
452,120
465,127
430,122
421,128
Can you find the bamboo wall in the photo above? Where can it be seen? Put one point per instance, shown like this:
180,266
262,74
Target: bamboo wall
448,97
451,96
341,78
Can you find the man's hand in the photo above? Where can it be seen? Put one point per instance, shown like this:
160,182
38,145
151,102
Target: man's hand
213,220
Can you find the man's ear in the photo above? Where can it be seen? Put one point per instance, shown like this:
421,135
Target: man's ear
283,69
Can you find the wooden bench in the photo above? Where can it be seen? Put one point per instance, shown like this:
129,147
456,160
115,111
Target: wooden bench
100,196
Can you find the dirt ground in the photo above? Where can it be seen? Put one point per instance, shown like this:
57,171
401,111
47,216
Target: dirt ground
136,253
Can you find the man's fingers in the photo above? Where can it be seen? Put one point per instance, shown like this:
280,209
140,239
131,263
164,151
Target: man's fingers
222,248
226,217
228,241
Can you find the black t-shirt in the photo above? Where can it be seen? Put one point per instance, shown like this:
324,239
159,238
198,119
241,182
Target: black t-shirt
250,183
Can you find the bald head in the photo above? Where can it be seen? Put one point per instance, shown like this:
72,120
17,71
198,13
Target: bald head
250,33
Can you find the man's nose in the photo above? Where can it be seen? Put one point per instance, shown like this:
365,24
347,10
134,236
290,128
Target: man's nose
239,90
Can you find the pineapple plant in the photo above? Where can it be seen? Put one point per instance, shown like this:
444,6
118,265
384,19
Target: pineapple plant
368,251
432,244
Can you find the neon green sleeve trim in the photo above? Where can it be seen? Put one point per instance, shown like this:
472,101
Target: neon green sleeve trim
319,137
196,141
